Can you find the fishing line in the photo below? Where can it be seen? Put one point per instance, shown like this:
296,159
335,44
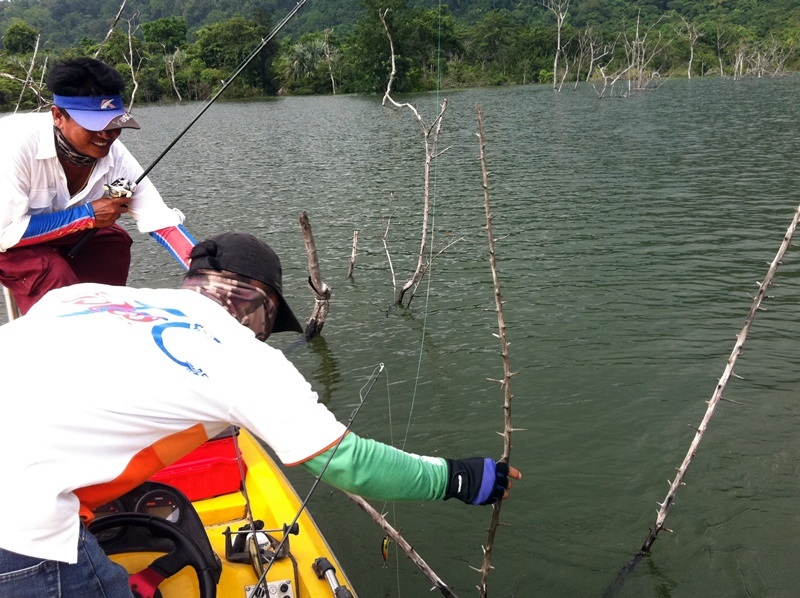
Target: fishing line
362,395
225,84
429,276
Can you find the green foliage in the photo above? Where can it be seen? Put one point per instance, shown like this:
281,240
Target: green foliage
168,33
187,48
225,46
20,38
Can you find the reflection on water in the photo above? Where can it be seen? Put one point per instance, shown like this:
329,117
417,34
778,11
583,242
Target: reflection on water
631,236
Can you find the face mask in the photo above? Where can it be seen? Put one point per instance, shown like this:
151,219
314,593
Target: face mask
250,305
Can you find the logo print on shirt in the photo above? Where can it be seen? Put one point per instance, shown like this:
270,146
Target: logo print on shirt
140,313
158,334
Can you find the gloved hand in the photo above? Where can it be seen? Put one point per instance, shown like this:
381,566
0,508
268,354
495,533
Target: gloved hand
477,481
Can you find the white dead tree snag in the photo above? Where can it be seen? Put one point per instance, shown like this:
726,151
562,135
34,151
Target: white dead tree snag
110,29
133,58
559,8
692,34
718,391
505,381
322,292
430,134
353,255
29,76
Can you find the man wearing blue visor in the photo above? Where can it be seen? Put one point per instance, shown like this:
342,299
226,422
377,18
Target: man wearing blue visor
58,176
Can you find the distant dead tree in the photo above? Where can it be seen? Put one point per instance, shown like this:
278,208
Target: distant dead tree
720,44
29,82
559,8
133,58
640,50
592,50
111,29
171,60
330,59
739,60
691,34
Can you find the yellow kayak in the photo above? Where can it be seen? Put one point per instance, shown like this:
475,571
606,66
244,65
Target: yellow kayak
189,531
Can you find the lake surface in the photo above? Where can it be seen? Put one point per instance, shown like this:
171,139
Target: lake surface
632,234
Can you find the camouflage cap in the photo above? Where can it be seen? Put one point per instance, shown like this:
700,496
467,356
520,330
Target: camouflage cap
248,256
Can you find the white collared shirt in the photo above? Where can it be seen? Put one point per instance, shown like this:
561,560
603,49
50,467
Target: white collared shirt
32,180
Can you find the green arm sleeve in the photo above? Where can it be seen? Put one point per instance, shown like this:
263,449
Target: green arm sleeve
375,470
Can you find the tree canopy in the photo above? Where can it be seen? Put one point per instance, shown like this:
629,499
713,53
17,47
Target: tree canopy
182,49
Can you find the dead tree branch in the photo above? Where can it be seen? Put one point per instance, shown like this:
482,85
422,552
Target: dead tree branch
560,9
723,381
353,255
29,75
131,59
322,292
111,29
407,549
430,136
505,383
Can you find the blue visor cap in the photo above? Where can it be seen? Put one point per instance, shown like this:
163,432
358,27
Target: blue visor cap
97,113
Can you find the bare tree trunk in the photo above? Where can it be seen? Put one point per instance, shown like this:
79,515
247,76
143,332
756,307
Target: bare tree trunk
322,292
641,51
131,59
329,59
171,60
691,34
505,382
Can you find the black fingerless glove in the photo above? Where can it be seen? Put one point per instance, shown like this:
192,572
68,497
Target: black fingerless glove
476,481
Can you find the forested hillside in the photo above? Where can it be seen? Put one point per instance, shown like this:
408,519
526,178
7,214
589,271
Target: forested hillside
181,49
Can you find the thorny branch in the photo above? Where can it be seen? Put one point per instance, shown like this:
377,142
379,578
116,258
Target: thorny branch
505,383
409,551
723,381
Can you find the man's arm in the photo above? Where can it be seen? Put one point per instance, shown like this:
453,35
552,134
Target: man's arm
47,227
375,470
178,241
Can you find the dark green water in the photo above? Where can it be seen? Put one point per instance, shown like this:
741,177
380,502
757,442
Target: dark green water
631,236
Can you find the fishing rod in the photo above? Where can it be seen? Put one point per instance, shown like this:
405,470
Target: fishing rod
325,568
123,188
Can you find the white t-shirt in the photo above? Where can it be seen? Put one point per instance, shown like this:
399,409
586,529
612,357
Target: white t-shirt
33,182
103,384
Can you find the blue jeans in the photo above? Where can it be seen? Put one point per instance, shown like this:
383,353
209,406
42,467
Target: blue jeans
93,576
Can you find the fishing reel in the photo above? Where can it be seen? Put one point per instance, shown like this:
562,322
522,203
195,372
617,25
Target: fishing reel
254,544
120,188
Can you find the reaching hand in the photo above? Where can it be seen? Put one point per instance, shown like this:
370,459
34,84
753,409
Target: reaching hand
479,480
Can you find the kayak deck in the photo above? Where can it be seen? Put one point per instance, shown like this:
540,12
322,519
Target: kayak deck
274,502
